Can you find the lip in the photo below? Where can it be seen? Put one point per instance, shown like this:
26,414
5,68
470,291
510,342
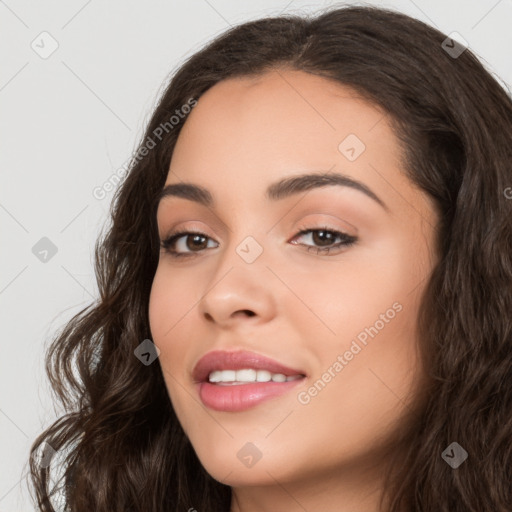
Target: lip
239,360
240,397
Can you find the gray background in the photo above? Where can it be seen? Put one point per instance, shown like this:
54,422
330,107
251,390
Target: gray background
71,119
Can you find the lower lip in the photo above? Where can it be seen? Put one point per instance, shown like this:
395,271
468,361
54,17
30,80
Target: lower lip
239,397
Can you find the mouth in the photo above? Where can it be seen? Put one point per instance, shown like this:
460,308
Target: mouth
248,376
240,396
237,381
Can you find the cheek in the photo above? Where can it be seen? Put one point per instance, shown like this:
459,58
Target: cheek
170,303
374,389
350,295
371,310
170,300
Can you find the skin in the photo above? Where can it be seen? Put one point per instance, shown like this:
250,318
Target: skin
296,306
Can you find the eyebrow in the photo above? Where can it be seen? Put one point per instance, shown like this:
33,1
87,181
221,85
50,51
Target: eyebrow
282,189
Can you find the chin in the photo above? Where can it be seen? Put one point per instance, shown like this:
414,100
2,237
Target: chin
241,467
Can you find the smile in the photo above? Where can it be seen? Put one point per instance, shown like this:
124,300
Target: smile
234,377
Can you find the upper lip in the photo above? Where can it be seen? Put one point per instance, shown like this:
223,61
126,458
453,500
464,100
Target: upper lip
239,360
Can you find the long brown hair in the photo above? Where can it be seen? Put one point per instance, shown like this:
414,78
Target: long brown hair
122,446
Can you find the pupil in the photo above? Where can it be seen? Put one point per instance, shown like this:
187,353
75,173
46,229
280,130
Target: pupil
195,239
326,241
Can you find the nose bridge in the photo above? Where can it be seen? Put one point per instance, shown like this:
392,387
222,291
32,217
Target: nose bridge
247,236
240,281
242,261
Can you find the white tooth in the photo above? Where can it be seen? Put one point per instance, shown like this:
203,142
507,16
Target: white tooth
228,375
263,376
247,375
235,377
215,376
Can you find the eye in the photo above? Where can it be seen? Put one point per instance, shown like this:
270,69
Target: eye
324,237
195,241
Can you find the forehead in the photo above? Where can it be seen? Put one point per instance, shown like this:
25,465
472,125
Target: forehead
281,109
246,132
287,113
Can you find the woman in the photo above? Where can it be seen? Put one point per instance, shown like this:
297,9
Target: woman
306,288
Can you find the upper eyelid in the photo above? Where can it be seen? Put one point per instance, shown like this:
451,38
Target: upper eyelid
177,234
298,230
348,228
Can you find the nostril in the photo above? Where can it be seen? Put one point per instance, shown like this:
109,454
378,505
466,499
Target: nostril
247,312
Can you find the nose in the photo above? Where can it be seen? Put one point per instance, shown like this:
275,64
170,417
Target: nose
239,291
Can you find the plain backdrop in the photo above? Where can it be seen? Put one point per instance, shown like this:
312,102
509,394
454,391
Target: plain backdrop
78,81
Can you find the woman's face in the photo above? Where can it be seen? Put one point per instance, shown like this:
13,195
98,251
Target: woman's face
343,318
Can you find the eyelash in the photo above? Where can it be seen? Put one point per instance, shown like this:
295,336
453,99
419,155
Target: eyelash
347,241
